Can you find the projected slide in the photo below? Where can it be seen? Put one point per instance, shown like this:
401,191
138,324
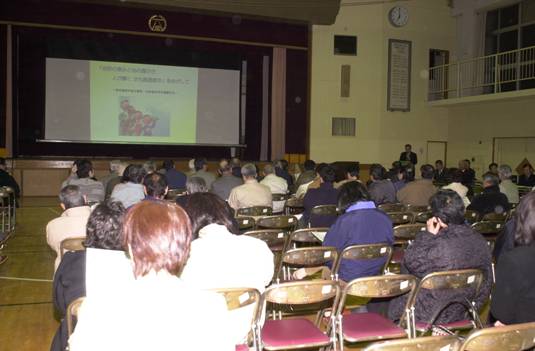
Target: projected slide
97,101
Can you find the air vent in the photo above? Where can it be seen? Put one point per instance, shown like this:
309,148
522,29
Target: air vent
343,126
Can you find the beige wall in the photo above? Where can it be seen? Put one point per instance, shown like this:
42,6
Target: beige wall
380,134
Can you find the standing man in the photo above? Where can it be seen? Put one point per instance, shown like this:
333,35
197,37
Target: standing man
408,155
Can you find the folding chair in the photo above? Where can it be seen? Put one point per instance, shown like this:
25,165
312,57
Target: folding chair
72,311
403,235
429,343
11,207
488,228
71,244
523,190
451,280
392,207
4,209
279,198
274,238
245,223
422,217
305,257
496,217
307,237
398,218
294,206
255,211
281,222
515,337
416,209
172,194
296,332
471,216
369,326
365,252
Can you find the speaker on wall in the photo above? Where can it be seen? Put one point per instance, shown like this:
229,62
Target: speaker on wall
345,45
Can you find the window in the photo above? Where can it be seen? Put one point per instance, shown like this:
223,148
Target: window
343,126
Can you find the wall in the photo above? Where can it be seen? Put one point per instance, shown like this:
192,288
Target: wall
380,134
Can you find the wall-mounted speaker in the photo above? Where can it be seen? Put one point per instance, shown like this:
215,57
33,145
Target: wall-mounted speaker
345,45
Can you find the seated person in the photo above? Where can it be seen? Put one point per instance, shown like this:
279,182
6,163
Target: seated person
360,224
418,192
130,191
493,168
201,170
400,178
507,186
103,232
352,175
155,186
381,190
448,244
442,174
276,184
458,187
219,258
326,194
194,185
92,189
251,193
223,185
157,311
7,180
491,200
175,178
527,178
115,168
281,170
513,299
71,223
307,176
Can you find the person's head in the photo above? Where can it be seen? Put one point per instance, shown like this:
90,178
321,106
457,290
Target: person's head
223,163
427,171
196,185
457,177
157,236
400,174
282,164
155,185
71,196
439,165
467,163
268,169
350,193
309,165
84,169
3,165
168,164
327,174
408,148
235,162
377,172
490,179
200,164
149,167
462,165
226,169
207,208
104,227
191,165
527,170
448,206
133,174
493,168
525,220
248,171
505,172
352,171
115,166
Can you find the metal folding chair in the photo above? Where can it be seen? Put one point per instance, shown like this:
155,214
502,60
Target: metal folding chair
515,337
305,257
281,222
71,244
255,211
324,211
471,216
365,252
496,217
392,208
245,223
72,312
307,237
429,343
12,207
488,228
399,218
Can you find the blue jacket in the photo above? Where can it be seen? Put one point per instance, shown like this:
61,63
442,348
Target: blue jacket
359,227
175,179
324,195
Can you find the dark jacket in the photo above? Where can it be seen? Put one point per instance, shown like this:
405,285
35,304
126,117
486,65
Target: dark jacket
382,192
413,158
455,247
223,185
443,176
326,194
175,179
69,284
279,172
305,177
513,297
7,180
506,239
468,177
359,227
526,181
489,201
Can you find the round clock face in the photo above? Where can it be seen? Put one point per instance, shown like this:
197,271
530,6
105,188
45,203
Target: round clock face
398,16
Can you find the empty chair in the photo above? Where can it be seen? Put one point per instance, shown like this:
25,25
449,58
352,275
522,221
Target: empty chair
307,237
358,327
471,216
366,252
282,222
299,333
407,232
429,343
398,218
255,211
72,312
422,217
245,223
392,207
514,337
71,244
274,238
488,228
313,258
496,217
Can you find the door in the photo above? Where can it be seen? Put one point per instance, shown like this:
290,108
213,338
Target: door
437,150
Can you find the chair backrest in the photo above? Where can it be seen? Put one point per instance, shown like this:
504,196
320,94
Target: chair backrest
306,257
277,222
515,337
72,311
488,227
428,343
416,209
365,252
71,244
398,218
172,194
245,223
408,231
255,211
471,216
280,197
392,207
523,190
324,210
302,292
496,217
422,217
274,238
306,236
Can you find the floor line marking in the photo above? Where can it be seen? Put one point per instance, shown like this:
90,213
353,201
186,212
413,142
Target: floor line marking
26,304
27,279
53,211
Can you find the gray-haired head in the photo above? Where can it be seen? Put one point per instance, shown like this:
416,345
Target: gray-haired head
248,170
490,179
196,185
71,196
505,172
269,169
149,166
115,166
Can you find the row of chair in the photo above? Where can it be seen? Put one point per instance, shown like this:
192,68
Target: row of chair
8,210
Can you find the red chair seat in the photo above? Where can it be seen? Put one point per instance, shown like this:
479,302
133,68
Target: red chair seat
397,256
243,347
462,324
288,333
369,326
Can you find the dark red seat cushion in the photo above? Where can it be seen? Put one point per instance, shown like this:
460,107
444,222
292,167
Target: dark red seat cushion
369,326
291,333
462,324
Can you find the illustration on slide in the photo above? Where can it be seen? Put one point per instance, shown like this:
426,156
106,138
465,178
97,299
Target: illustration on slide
133,122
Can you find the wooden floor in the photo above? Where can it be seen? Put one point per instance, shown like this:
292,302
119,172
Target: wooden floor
27,320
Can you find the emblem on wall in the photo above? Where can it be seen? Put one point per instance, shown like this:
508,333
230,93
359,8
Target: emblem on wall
157,23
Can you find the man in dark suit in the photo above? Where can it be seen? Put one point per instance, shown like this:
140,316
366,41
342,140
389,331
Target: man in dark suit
408,155
528,178
442,175
491,200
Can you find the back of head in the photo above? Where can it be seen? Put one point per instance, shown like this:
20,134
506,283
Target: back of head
353,170
133,174
226,169
377,171
327,174
268,169
248,170
448,206
439,163
84,169
309,165
457,177
191,164
282,164
207,208
235,162
104,226
505,172
115,166
168,164
196,185
351,193
490,179
427,171
155,185
525,220
3,164
157,235
199,163
71,196
149,167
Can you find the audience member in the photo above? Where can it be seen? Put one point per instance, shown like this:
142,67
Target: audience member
191,168
175,178
71,223
418,192
527,178
150,167
352,175
92,189
512,298
326,194
507,187
235,163
103,232
408,155
276,184
360,224
223,185
468,175
6,179
111,183
458,187
296,172
491,200
201,170
155,186
148,313
72,174
399,178
194,185
381,190
307,176
219,258
130,190
442,175
448,244
251,193
115,166
493,168
281,170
